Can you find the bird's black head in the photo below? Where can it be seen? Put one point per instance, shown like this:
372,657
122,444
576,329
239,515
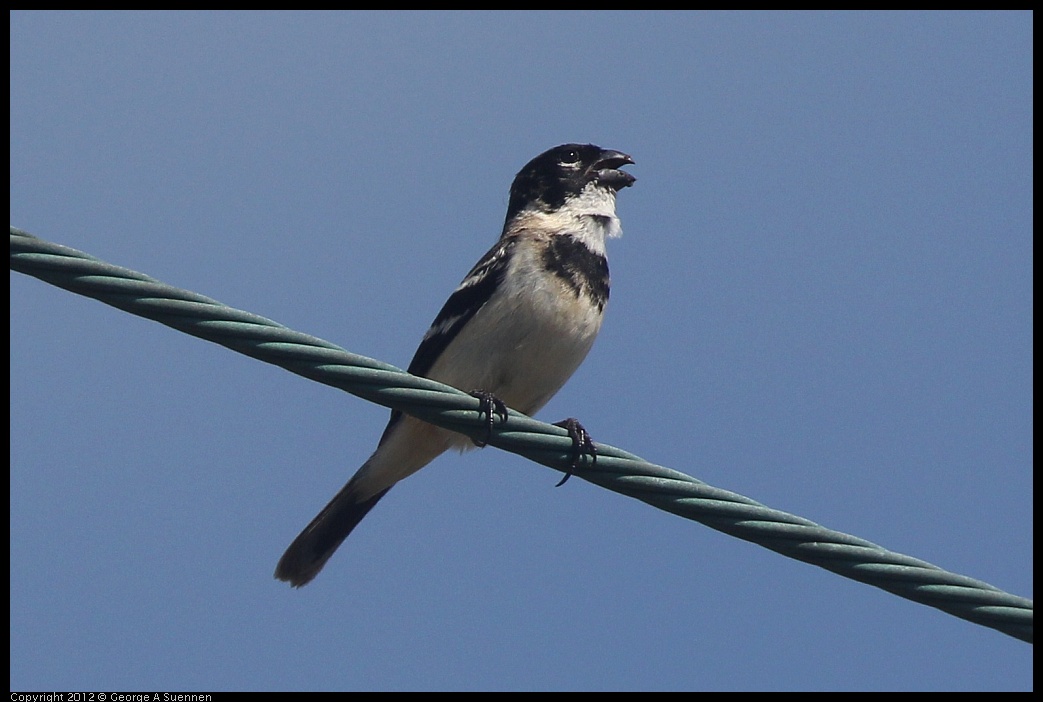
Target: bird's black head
552,177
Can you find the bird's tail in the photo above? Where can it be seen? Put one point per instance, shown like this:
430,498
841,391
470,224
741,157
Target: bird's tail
407,446
313,547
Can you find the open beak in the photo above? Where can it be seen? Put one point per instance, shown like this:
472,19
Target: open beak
607,172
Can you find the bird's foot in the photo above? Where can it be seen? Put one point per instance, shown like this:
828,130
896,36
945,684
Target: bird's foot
492,407
582,445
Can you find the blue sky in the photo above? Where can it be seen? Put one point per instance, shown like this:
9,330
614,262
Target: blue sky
822,300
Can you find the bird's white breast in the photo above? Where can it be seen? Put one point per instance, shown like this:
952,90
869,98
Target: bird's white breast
526,341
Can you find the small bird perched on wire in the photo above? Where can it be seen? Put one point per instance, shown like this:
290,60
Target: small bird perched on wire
514,331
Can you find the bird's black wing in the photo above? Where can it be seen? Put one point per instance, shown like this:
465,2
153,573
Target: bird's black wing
470,296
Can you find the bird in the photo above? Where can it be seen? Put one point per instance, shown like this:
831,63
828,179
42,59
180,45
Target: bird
513,332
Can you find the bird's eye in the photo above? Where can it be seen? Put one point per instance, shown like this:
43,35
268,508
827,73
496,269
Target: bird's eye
570,158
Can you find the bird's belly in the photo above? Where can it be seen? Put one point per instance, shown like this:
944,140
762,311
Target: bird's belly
521,348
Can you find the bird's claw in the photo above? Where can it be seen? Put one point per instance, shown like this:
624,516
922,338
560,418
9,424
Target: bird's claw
582,445
491,406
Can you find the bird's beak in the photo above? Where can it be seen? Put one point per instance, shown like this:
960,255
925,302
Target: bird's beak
606,170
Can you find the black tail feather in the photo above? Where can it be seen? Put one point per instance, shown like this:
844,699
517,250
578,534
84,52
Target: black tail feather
313,547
